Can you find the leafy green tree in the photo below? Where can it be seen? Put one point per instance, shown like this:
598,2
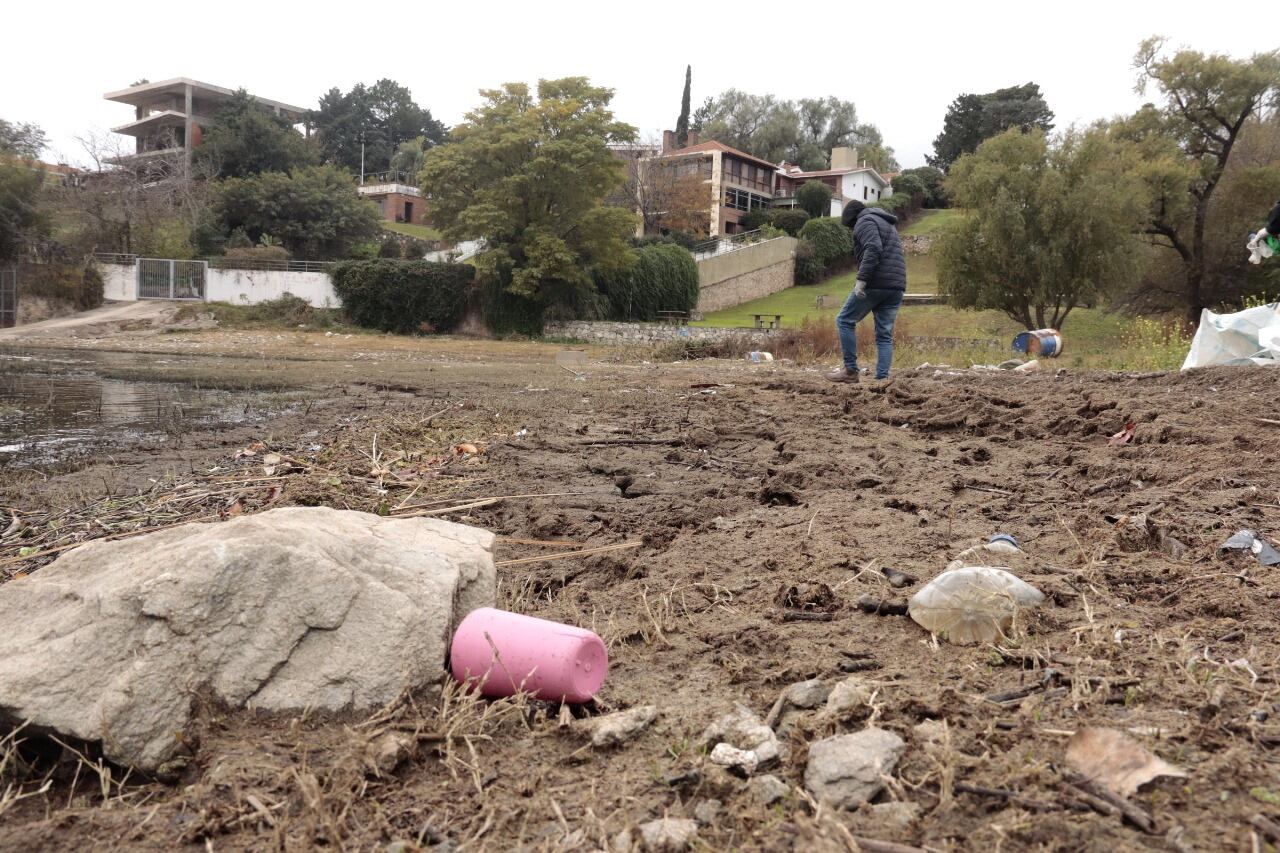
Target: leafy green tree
1183,147
1047,227
814,197
973,118
22,139
381,116
315,211
529,175
660,277
909,185
935,194
802,132
410,157
682,123
247,139
19,207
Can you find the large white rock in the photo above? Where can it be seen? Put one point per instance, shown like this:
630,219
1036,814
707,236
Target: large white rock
287,609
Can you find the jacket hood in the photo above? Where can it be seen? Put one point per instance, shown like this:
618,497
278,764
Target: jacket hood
882,213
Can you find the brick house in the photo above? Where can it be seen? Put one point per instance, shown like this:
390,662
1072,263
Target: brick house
397,197
737,182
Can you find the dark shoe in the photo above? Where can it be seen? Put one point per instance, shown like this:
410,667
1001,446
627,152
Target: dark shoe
842,374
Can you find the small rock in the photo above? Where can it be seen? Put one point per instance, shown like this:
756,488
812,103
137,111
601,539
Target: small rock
930,731
895,817
390,751
807,694
400,847
848,694
769,789
613,729
742,729
728,756
668,834
623,842
707,811
846,770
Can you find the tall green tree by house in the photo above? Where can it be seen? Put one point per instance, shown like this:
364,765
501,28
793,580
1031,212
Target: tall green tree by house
382,116
814,198
315,211
802,132
682,123
973,118
1183,148
529,173
22,139
1048,227
935,195
247,139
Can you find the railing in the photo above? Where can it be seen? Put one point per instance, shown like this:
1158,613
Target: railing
390,177
721,245
222,263
749,183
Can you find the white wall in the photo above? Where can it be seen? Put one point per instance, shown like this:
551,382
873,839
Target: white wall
248,287
119,282
243,287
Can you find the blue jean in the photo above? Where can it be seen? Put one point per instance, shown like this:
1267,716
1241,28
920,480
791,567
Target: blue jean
883,304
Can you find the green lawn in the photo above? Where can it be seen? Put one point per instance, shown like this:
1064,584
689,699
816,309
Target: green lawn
932,221
422,232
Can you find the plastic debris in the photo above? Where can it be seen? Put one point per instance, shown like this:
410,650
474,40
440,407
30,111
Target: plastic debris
756,357
1124,436
509,653
1000,546
1116,761
1247,540
1247,337
1044,343
974,604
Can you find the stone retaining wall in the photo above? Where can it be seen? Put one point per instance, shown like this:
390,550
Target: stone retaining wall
646,334
755,284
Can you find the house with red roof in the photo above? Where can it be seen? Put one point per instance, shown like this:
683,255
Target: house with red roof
847,179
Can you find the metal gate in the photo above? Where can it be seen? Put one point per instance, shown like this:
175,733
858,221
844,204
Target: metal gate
8,298
165,279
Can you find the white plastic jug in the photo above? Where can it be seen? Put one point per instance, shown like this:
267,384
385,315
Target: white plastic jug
972,604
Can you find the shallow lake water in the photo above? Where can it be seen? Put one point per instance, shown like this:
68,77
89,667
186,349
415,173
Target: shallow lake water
53,406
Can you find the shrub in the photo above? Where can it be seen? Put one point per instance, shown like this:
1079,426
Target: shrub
768,232
257,253
678,238
790,220
79,286
507,313
662,277
757,218
815,198
415,250
832,242
389,248
808,268
406,297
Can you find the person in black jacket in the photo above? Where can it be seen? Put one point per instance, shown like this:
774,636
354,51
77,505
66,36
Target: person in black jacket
882,280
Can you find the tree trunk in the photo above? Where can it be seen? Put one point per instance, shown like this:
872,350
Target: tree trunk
1039,316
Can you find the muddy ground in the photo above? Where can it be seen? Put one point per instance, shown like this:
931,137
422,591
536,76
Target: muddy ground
753,489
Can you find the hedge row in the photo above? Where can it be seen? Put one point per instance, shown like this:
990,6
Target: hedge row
661,277
408,297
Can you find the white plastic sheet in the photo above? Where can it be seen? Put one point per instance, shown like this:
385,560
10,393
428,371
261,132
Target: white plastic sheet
1246,337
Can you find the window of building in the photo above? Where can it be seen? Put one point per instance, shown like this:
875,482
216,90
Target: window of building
864,192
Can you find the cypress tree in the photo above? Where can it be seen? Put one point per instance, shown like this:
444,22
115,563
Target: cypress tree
682,123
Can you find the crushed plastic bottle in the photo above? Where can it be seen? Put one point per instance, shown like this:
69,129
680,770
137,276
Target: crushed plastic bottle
972,604
759,356
995,550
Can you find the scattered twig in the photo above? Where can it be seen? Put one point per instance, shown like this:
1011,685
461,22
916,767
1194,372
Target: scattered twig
806,616
1266,826
871,845
878,607
598,442
1012,796
1132,812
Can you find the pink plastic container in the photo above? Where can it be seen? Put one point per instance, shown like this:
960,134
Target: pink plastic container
551,661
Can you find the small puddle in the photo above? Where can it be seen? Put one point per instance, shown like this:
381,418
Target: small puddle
54,407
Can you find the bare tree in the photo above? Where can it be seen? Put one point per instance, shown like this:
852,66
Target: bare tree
670,193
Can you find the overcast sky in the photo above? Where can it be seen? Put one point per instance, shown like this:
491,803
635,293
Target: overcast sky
900,63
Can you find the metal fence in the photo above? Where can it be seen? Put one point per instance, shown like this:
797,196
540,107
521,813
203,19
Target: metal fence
8,298
170,279
720,245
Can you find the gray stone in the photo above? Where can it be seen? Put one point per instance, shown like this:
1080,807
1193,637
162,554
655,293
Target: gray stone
284,610
707,811
895,818
769,789
613,729
668,834
848,694
389,751
807,694
744,731
847,770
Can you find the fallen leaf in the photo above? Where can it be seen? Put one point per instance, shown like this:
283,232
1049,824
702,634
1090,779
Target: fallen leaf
465,449
1116,761
236,507
1124,436
274,493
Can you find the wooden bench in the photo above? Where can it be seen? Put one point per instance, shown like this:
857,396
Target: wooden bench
674,318
762,321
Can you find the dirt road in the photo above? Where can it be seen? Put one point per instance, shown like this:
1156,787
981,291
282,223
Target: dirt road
758,491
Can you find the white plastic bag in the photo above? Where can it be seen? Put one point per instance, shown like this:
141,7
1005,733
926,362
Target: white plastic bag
975,604
1251,336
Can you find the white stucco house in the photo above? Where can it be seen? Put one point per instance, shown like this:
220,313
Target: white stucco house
847,179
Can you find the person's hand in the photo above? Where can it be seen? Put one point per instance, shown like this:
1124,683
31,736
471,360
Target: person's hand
860,288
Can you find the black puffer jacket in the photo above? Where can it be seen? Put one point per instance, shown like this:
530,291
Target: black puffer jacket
879,251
